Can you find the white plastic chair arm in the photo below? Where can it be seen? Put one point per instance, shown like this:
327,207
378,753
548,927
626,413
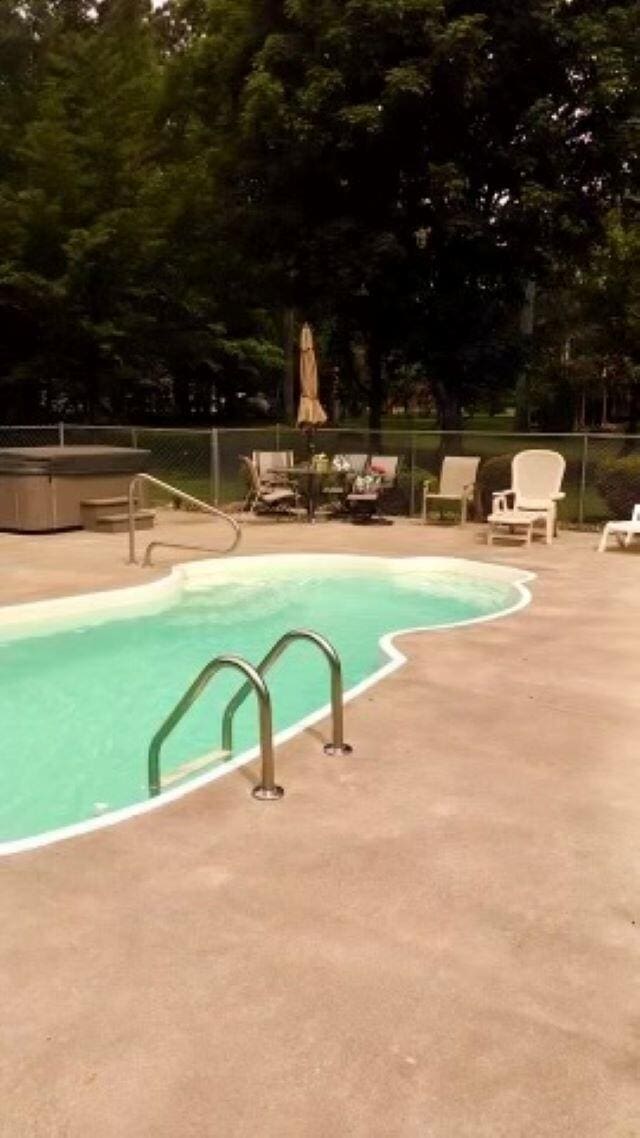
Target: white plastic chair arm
635,513
558,496
499,501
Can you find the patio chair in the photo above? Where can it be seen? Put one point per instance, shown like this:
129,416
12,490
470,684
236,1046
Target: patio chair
364,500
337,492
536,478
269,463
624,532
264,497
457,485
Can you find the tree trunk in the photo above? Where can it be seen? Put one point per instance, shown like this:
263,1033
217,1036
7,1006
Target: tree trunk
634,409
377,395
449,409
448,406
629,446
289,378
527,325
181,396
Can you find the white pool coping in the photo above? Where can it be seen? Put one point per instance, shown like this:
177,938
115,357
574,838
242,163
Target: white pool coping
38,617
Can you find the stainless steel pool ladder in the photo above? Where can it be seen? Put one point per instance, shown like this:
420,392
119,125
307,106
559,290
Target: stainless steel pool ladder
254,681
174,493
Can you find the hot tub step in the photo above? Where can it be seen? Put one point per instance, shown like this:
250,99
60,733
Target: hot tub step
119,523
92,510
100,503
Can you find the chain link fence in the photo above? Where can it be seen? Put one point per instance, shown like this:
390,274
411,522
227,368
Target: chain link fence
602,478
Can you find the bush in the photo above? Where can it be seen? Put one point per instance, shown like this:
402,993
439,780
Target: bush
493,475
397,500
619,484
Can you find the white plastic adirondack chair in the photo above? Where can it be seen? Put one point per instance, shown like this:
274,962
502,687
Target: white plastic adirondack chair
536,478
624,532
457,483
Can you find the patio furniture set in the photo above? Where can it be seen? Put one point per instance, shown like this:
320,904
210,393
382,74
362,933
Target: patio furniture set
353,486
350,486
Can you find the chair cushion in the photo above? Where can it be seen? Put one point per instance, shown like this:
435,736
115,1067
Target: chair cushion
273,496
534,503
516,517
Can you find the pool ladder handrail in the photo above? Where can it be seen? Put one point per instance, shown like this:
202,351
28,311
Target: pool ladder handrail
267,788
337,745
174,492
254,680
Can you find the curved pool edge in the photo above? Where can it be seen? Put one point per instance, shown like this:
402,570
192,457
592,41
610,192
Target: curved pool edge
167,589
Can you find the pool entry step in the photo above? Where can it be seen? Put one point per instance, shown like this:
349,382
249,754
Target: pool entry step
111,515
253,681
192,766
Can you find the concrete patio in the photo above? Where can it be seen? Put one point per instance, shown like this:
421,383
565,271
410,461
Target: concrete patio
438,937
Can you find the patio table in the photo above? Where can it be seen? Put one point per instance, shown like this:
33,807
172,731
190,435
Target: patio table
310,482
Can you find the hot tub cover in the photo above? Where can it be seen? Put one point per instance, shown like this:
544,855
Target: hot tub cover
72,460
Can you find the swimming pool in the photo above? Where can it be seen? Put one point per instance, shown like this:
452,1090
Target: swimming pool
88,680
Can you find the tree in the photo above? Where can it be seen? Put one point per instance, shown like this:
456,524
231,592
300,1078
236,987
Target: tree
407,167
117,295
588,344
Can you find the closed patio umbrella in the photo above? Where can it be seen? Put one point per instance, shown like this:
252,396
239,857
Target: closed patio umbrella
310,411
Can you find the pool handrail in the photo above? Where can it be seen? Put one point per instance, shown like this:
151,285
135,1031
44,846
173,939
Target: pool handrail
184,497
337,746
266,788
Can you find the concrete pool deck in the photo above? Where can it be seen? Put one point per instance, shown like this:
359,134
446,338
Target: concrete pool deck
438,937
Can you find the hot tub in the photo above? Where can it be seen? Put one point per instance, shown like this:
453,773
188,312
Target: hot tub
41,488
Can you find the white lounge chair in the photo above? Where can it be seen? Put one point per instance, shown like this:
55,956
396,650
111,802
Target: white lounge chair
536,478
457,484
624,532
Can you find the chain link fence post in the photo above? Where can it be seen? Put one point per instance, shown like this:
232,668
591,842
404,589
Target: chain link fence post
214,469
60,434
583,479
134,438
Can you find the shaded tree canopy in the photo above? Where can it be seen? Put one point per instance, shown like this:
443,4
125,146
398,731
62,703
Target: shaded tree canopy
398,171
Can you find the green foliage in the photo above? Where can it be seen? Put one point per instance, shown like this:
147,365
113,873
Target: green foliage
171,180
492,130
109,228
619,484
588,333
494,474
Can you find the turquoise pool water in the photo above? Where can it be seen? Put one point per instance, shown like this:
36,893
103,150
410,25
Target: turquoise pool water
78,707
